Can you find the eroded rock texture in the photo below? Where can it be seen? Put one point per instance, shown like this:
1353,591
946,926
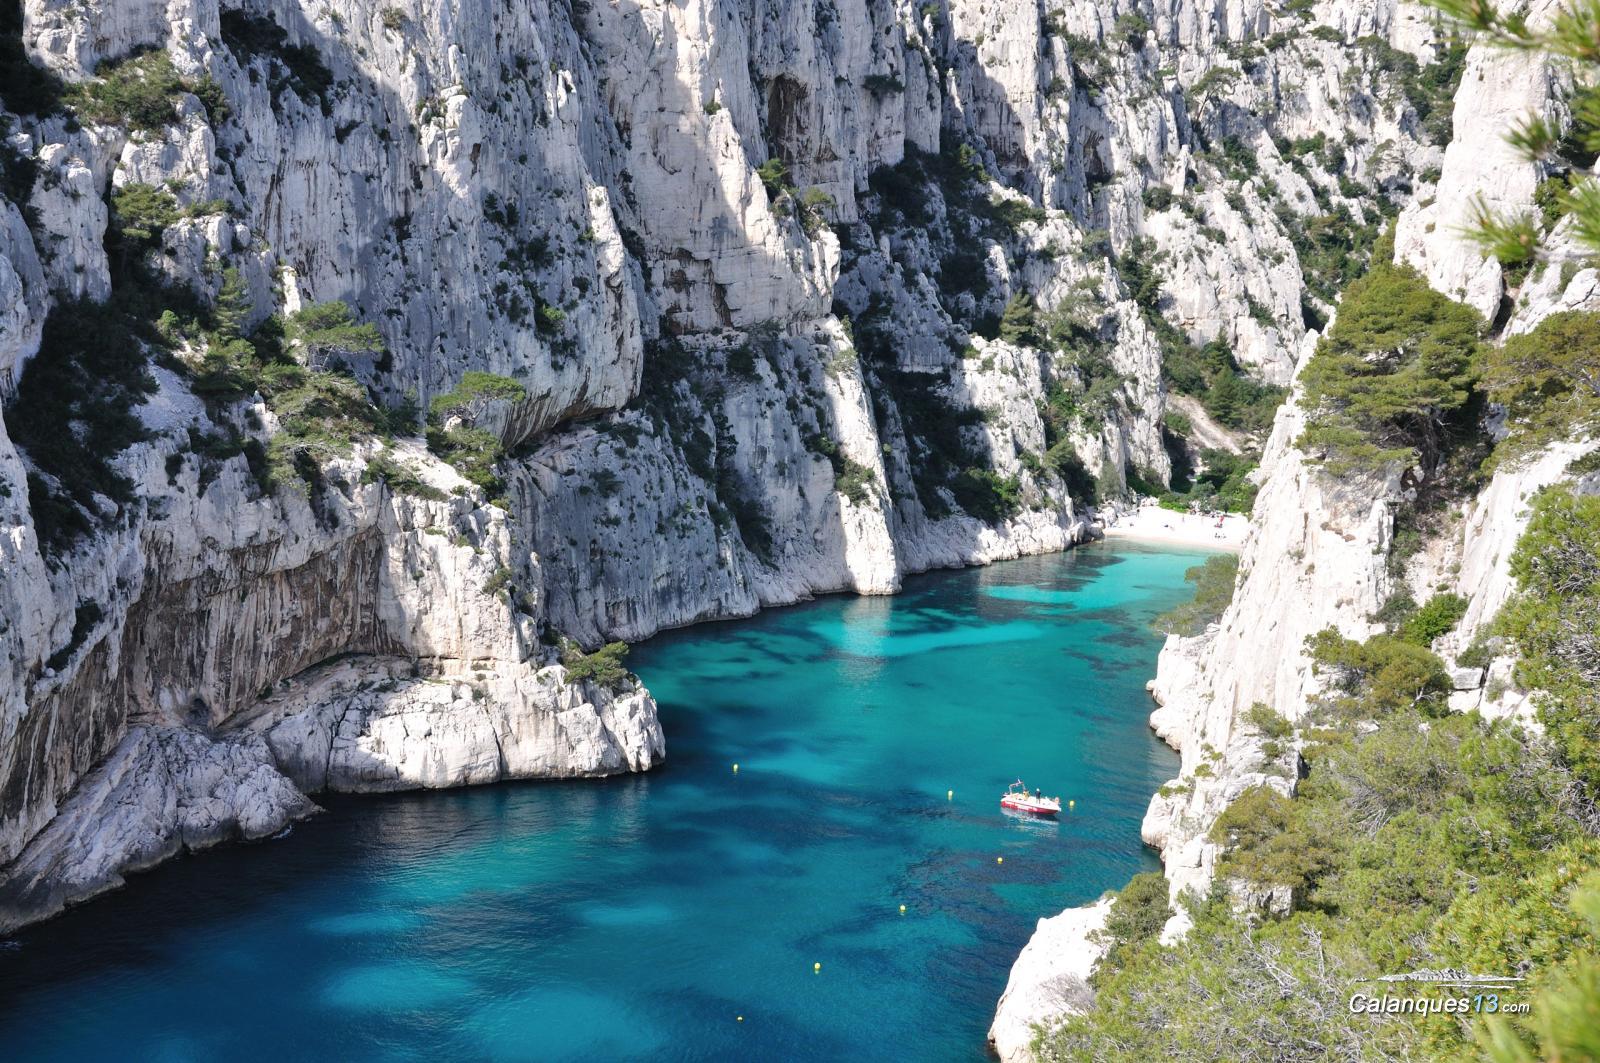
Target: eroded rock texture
801,297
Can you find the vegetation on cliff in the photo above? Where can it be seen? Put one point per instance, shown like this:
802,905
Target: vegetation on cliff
1213,590
1417,837
1391,380
1415,841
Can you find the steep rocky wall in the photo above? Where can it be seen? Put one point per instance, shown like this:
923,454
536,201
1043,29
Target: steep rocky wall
749,260
1315,558
1318,552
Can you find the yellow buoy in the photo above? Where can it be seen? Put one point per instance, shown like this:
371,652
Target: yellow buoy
999,859
902,909
736,769
949,795
816,968
740,1019
1072,804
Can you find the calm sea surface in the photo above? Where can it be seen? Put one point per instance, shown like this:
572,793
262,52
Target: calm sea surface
639,918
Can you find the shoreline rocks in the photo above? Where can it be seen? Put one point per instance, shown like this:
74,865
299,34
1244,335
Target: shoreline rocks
1050,979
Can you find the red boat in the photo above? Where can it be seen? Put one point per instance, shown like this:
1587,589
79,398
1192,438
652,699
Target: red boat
1017,797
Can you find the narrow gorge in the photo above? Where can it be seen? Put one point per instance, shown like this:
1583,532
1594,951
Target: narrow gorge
373,375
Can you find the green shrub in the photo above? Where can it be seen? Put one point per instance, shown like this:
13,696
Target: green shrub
473,451
1224,479
603,667
1268,841
1478,654
1267,722
1567,1026
1439,615
987,495
775,176
139,92
1548,379
550,320
213,99
1157,198
475,390
326,328
1137,915
320,417
321,412
400,478
881,85
855,481
1383,675
1019,321
140,213
1011,214
1396,609
1213,590
498,583
814,205
1553,620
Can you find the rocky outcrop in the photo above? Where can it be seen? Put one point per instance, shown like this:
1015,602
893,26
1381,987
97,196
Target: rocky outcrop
1315,558
181,742
1050,979
160,791
1481,173
372,725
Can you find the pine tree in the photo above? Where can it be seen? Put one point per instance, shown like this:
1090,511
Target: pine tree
1388,378
1018,322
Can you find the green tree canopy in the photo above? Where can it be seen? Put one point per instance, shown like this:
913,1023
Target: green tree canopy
1388,380
1548,379
1213,590
1381,675
1555,622
476,390
1018,322
328,327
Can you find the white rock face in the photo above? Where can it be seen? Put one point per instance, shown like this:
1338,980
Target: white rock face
23,298
1315,558
1481,172
1050,979
753,287
1317,551
374,725
160,791
259,589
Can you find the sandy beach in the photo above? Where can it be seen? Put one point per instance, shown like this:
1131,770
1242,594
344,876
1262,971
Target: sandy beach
1153,524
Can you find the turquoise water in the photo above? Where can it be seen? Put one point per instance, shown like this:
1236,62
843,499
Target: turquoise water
640,917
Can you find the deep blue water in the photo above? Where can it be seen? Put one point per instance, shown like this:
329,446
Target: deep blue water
641,917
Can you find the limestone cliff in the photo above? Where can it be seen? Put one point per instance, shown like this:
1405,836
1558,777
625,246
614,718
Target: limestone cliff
1321,551
797,297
